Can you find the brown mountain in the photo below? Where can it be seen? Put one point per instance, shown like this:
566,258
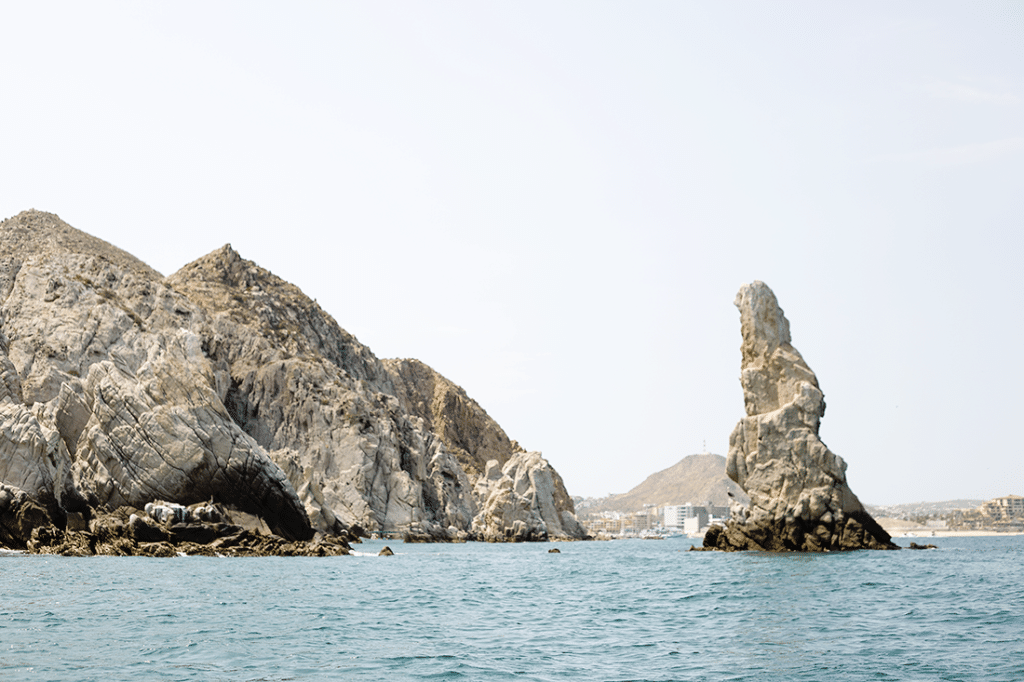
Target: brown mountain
697,478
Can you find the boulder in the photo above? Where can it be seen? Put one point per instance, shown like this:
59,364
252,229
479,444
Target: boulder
799,497
197,533
518,502
19,516
142,530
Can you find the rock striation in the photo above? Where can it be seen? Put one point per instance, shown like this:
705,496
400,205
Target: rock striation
224,384
519,495
524,500
799,497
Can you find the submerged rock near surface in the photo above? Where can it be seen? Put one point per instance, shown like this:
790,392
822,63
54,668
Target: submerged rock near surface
120,387
799,497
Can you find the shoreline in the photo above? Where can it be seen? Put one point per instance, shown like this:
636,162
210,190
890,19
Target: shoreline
945,533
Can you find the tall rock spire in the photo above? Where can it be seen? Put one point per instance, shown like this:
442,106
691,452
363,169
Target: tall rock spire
799,498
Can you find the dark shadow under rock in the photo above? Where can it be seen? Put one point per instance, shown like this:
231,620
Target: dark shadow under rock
111,535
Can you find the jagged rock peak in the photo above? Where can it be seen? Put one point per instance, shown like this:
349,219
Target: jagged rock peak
772,371
33,232
799,497
762,322
223,282
226,266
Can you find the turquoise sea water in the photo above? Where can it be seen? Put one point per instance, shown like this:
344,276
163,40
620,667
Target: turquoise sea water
624,610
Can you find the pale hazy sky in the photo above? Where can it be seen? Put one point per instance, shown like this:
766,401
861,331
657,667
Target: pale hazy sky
554,203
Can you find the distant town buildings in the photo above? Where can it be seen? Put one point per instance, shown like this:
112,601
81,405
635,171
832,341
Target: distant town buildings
680,517
1002,513
624,525
690,519
1004,508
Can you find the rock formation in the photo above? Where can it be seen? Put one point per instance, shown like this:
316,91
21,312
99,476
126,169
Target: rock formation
119,387
167,529
519,494
524,500
799,498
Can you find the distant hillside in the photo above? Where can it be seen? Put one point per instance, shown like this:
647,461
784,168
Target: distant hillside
912,509
696,478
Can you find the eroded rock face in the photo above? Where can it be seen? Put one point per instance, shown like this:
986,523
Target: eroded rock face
119,387
799,498
322,406
481,448
466,429
119,404
519,502
161,432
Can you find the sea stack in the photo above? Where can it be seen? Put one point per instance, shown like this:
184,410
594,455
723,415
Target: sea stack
799,498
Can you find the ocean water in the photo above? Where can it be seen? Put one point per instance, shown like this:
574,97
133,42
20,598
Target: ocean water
623,610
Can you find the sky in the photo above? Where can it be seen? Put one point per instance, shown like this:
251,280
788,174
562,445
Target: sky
554,203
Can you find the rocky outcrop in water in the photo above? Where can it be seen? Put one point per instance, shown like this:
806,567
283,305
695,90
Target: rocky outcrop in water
799,498
168,529
119,387
519,495
522,500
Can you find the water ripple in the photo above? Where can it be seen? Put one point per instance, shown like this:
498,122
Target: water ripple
597,611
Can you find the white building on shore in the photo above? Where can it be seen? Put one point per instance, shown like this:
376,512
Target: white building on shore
1005,508
688,518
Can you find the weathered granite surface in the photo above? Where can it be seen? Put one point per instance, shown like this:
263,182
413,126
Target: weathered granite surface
522,500
119,387
799,497
488,457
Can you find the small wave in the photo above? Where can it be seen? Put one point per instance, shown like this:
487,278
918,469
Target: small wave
491,613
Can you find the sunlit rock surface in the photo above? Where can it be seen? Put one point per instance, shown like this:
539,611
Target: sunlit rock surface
224,383
799,498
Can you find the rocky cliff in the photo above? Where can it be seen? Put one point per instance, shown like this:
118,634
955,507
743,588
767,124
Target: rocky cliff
799,498
223,383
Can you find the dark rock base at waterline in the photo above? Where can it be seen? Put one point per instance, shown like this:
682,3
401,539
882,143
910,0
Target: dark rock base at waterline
51,540
856,531
113,535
